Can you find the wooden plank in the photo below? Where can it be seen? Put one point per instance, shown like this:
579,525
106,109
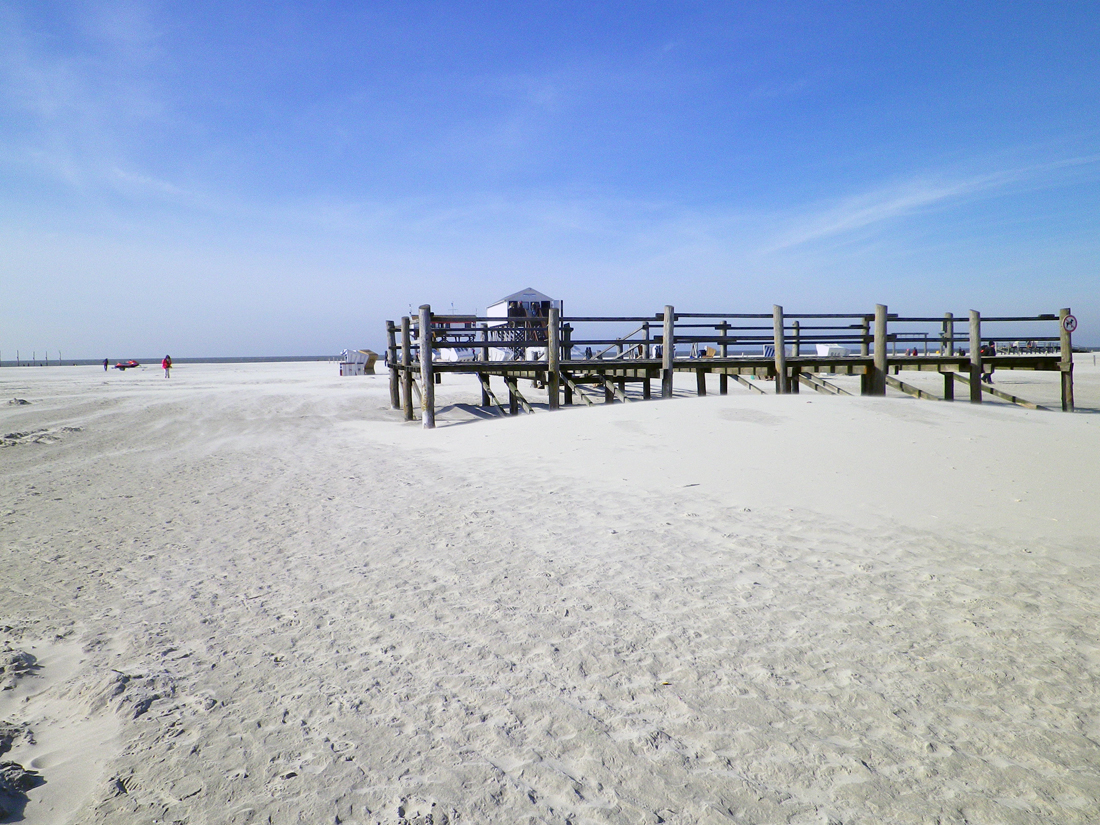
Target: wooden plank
614,389
821,385
487,392
740,379
514,390
576,390
999,393
909,389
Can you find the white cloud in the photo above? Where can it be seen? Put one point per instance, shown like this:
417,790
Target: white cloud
849,215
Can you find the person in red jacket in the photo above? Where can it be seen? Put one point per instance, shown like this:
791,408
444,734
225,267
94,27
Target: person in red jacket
167,364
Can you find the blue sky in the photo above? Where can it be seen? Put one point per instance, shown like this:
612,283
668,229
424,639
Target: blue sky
258,179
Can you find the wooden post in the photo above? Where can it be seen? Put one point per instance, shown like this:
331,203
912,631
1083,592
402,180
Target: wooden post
781,383
700,381
975,357
878,382
723,350
427,378
553,358
1066,365
406,369
391,359
646,390
796,348
948,349
668,350
865,337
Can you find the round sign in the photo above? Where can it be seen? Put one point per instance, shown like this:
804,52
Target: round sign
1069,323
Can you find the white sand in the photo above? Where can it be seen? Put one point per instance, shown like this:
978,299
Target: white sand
256,596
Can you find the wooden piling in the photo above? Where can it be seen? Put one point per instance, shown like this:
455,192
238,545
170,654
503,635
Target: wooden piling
427,377
948,349
553,357
781,385
723,351
668,350
881,365
391,359
406,369
975,357
1066,366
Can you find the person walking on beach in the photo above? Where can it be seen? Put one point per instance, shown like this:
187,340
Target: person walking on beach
988,351
105,363
167,364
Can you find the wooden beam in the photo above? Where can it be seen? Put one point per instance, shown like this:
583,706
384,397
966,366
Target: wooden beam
909,389
514,390
1066,364
998,393
391,359
878,377
668,351
487,392
427,400
573,388
740,379
820,384
406,369
553,358
975,357
781,385
614,389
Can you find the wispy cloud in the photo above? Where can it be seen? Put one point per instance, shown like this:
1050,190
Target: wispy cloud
135,182
850,215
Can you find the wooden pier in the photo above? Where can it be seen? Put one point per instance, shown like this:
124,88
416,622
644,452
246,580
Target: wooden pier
755,350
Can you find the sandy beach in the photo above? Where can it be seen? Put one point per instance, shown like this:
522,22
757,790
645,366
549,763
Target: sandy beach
252,594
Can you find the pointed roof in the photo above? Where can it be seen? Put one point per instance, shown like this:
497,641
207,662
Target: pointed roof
529,294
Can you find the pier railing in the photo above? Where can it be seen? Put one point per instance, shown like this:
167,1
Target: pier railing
571,356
